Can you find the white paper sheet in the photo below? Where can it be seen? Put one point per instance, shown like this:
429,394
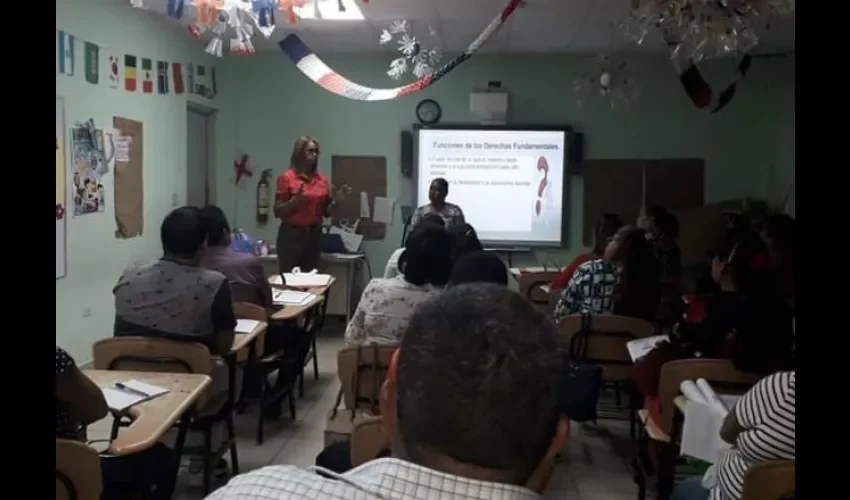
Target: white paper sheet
291,297
638,348
246,325
384,209
364,205
134,393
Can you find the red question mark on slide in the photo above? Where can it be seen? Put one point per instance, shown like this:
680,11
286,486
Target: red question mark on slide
543,165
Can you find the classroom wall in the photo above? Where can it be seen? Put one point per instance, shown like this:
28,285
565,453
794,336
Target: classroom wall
269,103
95,258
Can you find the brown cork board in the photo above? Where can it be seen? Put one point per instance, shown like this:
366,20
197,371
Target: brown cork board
702,229
675,183
361,173
129,193
610,186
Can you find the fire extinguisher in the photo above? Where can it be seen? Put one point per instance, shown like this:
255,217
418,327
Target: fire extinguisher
263,197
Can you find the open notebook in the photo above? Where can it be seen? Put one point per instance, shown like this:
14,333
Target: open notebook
639,348
245,325
291,297
123,395
704,415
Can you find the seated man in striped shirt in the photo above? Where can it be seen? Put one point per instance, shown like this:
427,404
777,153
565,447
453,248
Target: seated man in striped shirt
760,429
471,406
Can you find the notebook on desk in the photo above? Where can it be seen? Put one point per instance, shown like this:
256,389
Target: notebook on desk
123,395
245,325
291,297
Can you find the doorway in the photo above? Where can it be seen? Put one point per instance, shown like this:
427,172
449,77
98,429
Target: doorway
200,155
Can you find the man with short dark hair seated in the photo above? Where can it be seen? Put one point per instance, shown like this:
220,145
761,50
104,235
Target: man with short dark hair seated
244,271
470,404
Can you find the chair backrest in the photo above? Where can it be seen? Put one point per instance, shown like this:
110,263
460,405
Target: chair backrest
152,355
367,441
606,341
78,474
362,370
772,480
247,310
720,373
529,285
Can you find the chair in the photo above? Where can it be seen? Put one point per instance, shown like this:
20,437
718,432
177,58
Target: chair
361,370
78,474
529,285
774,480
264,365
368,440
606,347
720,373
169,356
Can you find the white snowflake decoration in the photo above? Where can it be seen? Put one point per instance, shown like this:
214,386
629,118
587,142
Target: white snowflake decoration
420,62
607,80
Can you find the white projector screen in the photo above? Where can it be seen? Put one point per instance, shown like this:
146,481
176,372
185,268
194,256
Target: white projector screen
509,183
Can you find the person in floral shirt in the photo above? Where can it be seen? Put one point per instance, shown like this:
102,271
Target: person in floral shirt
388,303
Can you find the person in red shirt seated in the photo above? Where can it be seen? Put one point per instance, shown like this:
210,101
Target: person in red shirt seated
302,199
746,321
603,231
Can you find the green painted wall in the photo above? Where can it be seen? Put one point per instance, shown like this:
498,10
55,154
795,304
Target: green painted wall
95,259
268,103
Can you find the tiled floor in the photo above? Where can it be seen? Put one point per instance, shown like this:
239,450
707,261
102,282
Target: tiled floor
595,465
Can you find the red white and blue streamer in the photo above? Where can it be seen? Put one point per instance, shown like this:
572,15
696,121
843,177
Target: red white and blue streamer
316,70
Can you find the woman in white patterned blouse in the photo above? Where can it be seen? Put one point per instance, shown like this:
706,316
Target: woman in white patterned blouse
387,304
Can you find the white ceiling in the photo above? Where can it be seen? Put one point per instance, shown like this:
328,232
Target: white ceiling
541,26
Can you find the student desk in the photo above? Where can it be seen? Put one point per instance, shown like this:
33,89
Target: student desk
153,418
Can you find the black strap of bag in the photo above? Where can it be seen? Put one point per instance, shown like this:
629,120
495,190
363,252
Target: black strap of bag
582,380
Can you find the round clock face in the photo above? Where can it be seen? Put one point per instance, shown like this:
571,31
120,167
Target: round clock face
428,111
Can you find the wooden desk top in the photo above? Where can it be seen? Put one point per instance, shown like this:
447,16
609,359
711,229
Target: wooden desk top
242,340
153,418
291,312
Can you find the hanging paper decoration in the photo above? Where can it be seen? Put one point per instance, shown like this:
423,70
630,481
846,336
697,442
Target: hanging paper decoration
422,60
243,168
315,69
607,80
289,7
701,92
704,29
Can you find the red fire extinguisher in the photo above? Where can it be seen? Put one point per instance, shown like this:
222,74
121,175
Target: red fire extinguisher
264,197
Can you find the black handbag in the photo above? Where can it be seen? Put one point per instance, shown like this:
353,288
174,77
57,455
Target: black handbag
580,390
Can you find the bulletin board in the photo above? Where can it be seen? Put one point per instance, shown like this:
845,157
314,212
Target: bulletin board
129,193
702,229
622,186
61,207
363,174
611,186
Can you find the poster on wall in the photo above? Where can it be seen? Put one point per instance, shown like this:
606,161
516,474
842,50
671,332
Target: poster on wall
60,188
90,164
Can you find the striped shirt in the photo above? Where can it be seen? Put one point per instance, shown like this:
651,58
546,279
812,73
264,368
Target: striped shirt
766,413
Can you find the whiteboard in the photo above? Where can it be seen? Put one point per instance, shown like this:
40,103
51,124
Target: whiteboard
61,222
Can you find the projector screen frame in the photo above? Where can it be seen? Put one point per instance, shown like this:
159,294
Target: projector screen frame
569,132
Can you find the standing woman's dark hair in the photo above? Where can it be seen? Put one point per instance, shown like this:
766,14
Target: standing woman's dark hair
427,256
638,291
299,159
605,229
464,240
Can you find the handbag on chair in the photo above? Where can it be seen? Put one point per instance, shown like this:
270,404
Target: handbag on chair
580,389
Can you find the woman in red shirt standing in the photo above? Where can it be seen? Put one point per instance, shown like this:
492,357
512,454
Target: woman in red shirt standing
302,198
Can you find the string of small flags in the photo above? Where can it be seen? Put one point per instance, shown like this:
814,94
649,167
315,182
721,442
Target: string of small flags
133,73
